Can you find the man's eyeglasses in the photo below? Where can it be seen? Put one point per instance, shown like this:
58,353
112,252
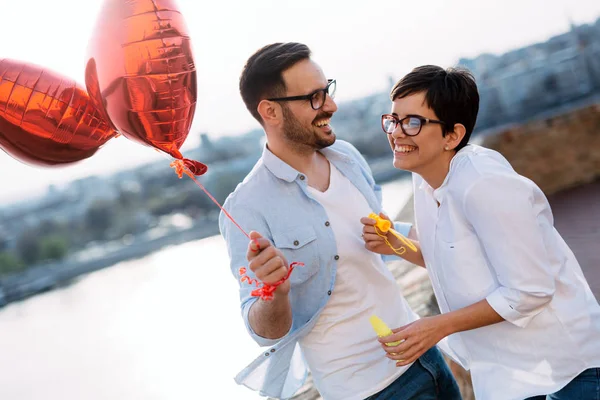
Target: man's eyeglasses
317,98
411,125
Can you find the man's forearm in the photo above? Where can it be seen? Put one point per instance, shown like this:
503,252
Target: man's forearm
271,319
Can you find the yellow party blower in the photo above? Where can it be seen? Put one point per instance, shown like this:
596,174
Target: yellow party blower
385,226
381,329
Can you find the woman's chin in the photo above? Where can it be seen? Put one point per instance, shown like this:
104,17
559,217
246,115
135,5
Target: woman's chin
401,163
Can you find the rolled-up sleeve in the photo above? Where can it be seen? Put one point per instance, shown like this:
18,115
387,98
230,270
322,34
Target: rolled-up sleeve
512,225
237,247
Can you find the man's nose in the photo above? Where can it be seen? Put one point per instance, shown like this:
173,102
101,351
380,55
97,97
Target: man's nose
330,105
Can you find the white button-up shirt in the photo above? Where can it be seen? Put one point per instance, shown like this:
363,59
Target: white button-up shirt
492,237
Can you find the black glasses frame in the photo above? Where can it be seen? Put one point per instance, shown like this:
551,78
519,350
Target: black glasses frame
399,121
311,95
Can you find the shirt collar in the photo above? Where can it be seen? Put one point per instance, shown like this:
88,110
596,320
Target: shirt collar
284,171
277,166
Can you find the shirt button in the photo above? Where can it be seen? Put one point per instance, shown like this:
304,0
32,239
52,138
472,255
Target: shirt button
266,354
272,350
329,292
327,223
337,257
301,177
296,243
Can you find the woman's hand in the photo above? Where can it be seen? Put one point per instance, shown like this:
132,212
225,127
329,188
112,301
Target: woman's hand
416,338
374,238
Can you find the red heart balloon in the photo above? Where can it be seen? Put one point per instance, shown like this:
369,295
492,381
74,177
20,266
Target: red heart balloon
47,119
141,70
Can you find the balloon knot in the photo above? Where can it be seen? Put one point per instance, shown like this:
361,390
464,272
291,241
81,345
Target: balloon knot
188,167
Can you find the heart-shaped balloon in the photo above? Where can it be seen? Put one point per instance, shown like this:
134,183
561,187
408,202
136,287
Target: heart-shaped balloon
140,69
47,119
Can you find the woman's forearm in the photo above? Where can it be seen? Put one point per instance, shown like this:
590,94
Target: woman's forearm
415,257
474,316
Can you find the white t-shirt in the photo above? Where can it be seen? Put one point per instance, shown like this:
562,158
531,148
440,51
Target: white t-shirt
342,351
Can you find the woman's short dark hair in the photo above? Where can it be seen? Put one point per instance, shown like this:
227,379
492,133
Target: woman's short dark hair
451,93
262,78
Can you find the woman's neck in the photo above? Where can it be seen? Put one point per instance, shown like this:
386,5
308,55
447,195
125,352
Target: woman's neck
435,174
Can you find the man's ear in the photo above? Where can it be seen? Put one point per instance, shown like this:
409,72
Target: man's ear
269,111
454,137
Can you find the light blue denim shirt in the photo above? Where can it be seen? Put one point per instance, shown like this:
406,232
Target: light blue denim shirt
274,201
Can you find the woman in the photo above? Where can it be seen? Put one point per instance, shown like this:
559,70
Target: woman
515,305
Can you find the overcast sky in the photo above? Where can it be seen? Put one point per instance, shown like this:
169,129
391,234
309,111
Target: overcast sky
361,44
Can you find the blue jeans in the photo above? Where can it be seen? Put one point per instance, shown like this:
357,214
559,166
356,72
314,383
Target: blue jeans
585,386
429,378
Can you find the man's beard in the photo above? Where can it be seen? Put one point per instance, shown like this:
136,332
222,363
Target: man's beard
302,137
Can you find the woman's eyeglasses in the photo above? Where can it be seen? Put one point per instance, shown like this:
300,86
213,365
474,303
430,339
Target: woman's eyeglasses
411,124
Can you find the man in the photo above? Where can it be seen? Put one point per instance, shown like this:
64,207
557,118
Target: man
304,200
515,304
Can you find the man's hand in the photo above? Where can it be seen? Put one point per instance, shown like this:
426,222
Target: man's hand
267,262
416,337
270,319
375,242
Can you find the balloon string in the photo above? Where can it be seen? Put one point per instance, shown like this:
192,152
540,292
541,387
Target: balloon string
181,168
264,291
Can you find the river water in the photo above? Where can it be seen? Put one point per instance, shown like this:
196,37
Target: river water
166,326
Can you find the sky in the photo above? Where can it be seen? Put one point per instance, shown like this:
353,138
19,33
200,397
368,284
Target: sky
360,44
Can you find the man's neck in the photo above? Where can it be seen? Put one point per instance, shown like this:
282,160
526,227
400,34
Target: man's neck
307,161
303,159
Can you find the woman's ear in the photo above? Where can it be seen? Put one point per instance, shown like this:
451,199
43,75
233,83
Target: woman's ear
454,137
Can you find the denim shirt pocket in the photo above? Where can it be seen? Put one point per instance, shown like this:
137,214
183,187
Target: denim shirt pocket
299,244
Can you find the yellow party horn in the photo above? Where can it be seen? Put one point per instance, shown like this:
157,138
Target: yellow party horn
385,226
382,330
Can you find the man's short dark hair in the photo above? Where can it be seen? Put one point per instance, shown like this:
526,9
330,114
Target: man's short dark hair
452,94
262,75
